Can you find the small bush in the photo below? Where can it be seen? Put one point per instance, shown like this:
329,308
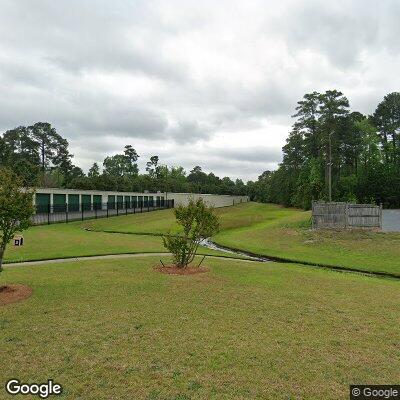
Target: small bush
197,221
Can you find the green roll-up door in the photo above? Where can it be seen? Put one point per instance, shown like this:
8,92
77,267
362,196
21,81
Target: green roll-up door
73,202
146,201
42,202
59,201
151,201
120,201
97,202
111,202
162,201
134,201
86,202
158,201
140,201
128,201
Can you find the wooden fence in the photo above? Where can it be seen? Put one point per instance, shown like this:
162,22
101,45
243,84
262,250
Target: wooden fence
346,215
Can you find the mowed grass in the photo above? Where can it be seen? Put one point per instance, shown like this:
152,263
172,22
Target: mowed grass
71,240
264,229
154,222
117,329
292,239
276,231
163,221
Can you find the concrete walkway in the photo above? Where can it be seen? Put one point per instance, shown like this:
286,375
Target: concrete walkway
107,257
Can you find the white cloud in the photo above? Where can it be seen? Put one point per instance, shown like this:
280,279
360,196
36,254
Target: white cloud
207,83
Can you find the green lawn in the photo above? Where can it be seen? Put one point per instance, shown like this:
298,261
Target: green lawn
275,231
292,239
264,229
163,221
117,329
71,240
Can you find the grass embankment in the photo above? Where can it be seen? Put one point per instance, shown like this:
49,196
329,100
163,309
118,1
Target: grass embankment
118,329
163,221
275,231
292,239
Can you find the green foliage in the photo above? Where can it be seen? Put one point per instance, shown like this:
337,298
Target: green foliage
16,208
364,153
37,153
197,221
360,153
40,156
309,184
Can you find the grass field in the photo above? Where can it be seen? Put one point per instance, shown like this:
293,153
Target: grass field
291,238
163,221
275,231
71,240
119,330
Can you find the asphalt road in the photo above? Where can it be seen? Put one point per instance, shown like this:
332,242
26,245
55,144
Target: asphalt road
391,220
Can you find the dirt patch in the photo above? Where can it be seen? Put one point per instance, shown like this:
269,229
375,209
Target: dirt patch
13,293
173,270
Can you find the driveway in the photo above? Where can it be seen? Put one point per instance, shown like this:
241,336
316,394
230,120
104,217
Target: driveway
391,220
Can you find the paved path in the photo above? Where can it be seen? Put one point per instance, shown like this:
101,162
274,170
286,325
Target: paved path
106,257
391,220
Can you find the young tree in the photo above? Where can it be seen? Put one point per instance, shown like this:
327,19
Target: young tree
16,208
197,221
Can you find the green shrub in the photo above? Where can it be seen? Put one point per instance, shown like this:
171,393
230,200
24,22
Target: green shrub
197,221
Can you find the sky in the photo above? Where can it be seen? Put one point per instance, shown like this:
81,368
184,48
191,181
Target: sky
209,83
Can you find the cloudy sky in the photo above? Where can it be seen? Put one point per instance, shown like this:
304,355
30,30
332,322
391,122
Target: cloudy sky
209,83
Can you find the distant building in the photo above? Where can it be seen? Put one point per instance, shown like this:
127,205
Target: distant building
63,205
58,199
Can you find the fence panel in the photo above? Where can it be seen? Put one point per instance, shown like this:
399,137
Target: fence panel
364,215
346,215
329,215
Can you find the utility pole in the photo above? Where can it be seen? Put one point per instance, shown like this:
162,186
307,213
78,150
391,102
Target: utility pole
330,168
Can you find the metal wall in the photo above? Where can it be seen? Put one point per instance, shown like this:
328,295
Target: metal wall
215,200
56,195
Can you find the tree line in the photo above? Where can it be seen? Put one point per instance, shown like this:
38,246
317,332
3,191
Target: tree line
332,152
41,157
359,154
